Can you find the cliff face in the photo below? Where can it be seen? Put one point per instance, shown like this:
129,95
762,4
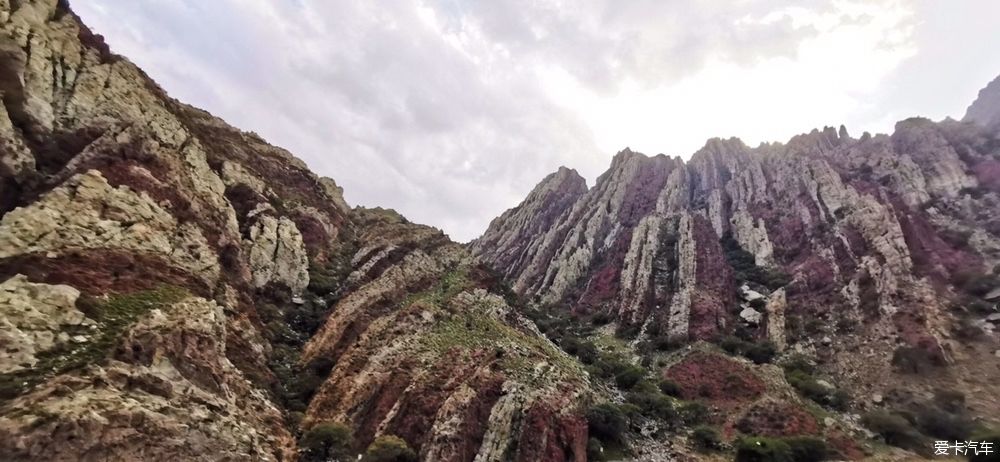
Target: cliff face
174,288
858,250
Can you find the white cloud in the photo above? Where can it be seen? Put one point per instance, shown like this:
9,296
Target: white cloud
451,110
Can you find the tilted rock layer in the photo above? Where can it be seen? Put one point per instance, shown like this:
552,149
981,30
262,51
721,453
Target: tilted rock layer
174,288
871,241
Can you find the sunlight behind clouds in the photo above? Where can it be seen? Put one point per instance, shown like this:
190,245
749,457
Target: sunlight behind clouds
827,81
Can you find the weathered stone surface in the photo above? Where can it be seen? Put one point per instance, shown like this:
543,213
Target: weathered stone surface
277,254
985,110
32,317
171,393
87,213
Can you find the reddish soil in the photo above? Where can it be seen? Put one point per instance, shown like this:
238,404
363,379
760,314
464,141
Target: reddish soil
713,377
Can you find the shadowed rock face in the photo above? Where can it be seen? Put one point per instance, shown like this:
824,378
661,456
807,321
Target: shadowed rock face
174,288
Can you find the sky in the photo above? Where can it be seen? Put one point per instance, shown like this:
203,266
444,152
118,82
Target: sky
450,111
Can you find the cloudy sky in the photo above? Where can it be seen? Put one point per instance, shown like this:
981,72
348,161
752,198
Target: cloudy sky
451,110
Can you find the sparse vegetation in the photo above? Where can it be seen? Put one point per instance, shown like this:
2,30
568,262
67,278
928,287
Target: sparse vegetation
113,315
745,266
787,449
799,374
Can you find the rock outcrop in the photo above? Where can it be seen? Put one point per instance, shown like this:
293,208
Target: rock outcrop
985,110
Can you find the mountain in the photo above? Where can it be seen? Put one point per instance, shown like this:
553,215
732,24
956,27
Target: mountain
985,110
174,288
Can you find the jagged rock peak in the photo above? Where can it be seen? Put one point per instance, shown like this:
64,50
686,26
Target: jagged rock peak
985,110
545,204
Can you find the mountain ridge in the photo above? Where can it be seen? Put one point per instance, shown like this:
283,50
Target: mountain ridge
173,287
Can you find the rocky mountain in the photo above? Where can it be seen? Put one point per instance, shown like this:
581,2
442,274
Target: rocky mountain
876,257
173,287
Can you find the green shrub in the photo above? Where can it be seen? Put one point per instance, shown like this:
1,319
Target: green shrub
705,437
759,353
807,448
654,405
595,450
629,377
693,413
669,388
325,441
893,428
746,269
940,423
760,449
389,448
607,422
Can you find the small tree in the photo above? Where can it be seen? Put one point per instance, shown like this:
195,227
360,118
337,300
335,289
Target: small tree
389,448
705,437
606,422
325,441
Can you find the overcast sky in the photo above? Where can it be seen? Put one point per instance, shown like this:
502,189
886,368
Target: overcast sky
451,110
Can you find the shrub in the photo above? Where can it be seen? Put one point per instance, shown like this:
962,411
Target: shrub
670,388
693,413
760,449
914,360
654,405
705,437
945,419
595,450
325,441
807,448
893,428
389,448
629,377
759,353
663,343
606,422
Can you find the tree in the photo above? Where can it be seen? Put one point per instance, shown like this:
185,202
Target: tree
389,448
325,441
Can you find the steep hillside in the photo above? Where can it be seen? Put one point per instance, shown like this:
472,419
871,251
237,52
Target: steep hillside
174,288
